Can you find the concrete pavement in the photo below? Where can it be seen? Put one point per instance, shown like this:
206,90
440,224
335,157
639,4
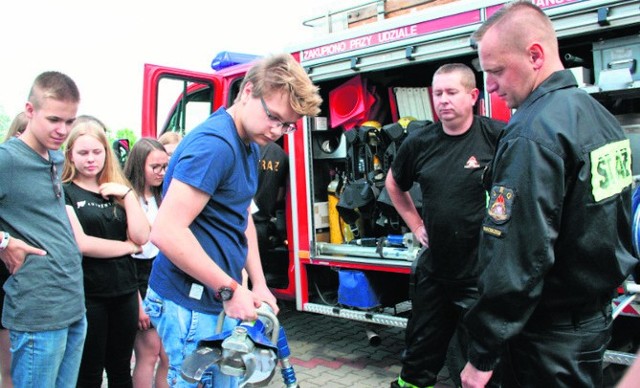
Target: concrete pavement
332,352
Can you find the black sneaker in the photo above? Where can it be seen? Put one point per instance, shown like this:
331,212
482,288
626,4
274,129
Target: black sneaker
394,384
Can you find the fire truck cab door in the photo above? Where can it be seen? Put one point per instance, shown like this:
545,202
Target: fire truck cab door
198,95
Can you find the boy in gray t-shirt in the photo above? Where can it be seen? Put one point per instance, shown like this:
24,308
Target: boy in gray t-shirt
44,304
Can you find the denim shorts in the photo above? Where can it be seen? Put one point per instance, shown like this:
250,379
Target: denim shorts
180,329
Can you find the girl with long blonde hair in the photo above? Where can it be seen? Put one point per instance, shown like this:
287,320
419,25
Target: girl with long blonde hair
109,226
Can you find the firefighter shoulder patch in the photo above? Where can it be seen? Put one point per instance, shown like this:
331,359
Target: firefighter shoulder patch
500,204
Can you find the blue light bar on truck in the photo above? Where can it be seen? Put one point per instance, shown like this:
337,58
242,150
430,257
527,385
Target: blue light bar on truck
226,59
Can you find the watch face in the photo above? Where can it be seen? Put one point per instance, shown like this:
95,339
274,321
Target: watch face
225,293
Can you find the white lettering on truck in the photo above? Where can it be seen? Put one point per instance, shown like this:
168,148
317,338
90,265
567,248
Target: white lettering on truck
398,33
548,3
360,42
322,51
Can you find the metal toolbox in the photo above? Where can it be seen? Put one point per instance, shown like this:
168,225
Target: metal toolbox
616,54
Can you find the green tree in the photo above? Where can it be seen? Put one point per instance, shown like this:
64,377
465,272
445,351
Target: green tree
126,133
121,152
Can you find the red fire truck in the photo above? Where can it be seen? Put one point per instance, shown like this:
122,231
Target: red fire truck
373,76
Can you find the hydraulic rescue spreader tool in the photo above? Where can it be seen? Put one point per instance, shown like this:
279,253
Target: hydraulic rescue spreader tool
250,351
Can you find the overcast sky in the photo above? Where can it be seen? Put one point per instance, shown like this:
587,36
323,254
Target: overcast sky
103,45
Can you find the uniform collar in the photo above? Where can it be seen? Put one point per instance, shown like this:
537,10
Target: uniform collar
561,79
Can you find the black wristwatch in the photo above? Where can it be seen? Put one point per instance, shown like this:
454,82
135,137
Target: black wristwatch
225,293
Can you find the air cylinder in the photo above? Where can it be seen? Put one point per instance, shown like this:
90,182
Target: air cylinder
335,223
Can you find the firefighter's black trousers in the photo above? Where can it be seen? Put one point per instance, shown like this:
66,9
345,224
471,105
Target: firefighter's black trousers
559,349
437,310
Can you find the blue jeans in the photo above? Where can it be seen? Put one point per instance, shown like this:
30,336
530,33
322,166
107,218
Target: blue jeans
180,329
47,358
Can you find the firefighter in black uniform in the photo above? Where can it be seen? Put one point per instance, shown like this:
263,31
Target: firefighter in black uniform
447,159
556,238
273,172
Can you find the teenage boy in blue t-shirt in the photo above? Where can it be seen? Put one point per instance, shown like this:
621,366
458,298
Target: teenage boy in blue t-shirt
203,228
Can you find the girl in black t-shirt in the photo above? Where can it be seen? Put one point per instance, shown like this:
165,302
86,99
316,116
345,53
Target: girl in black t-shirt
109,225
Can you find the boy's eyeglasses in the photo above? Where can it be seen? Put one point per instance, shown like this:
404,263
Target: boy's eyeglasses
286,128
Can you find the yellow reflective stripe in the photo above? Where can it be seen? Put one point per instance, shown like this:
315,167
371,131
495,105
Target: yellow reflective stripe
610,169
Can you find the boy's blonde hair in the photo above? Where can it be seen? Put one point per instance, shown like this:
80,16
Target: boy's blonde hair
54,85
282,73
170,138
